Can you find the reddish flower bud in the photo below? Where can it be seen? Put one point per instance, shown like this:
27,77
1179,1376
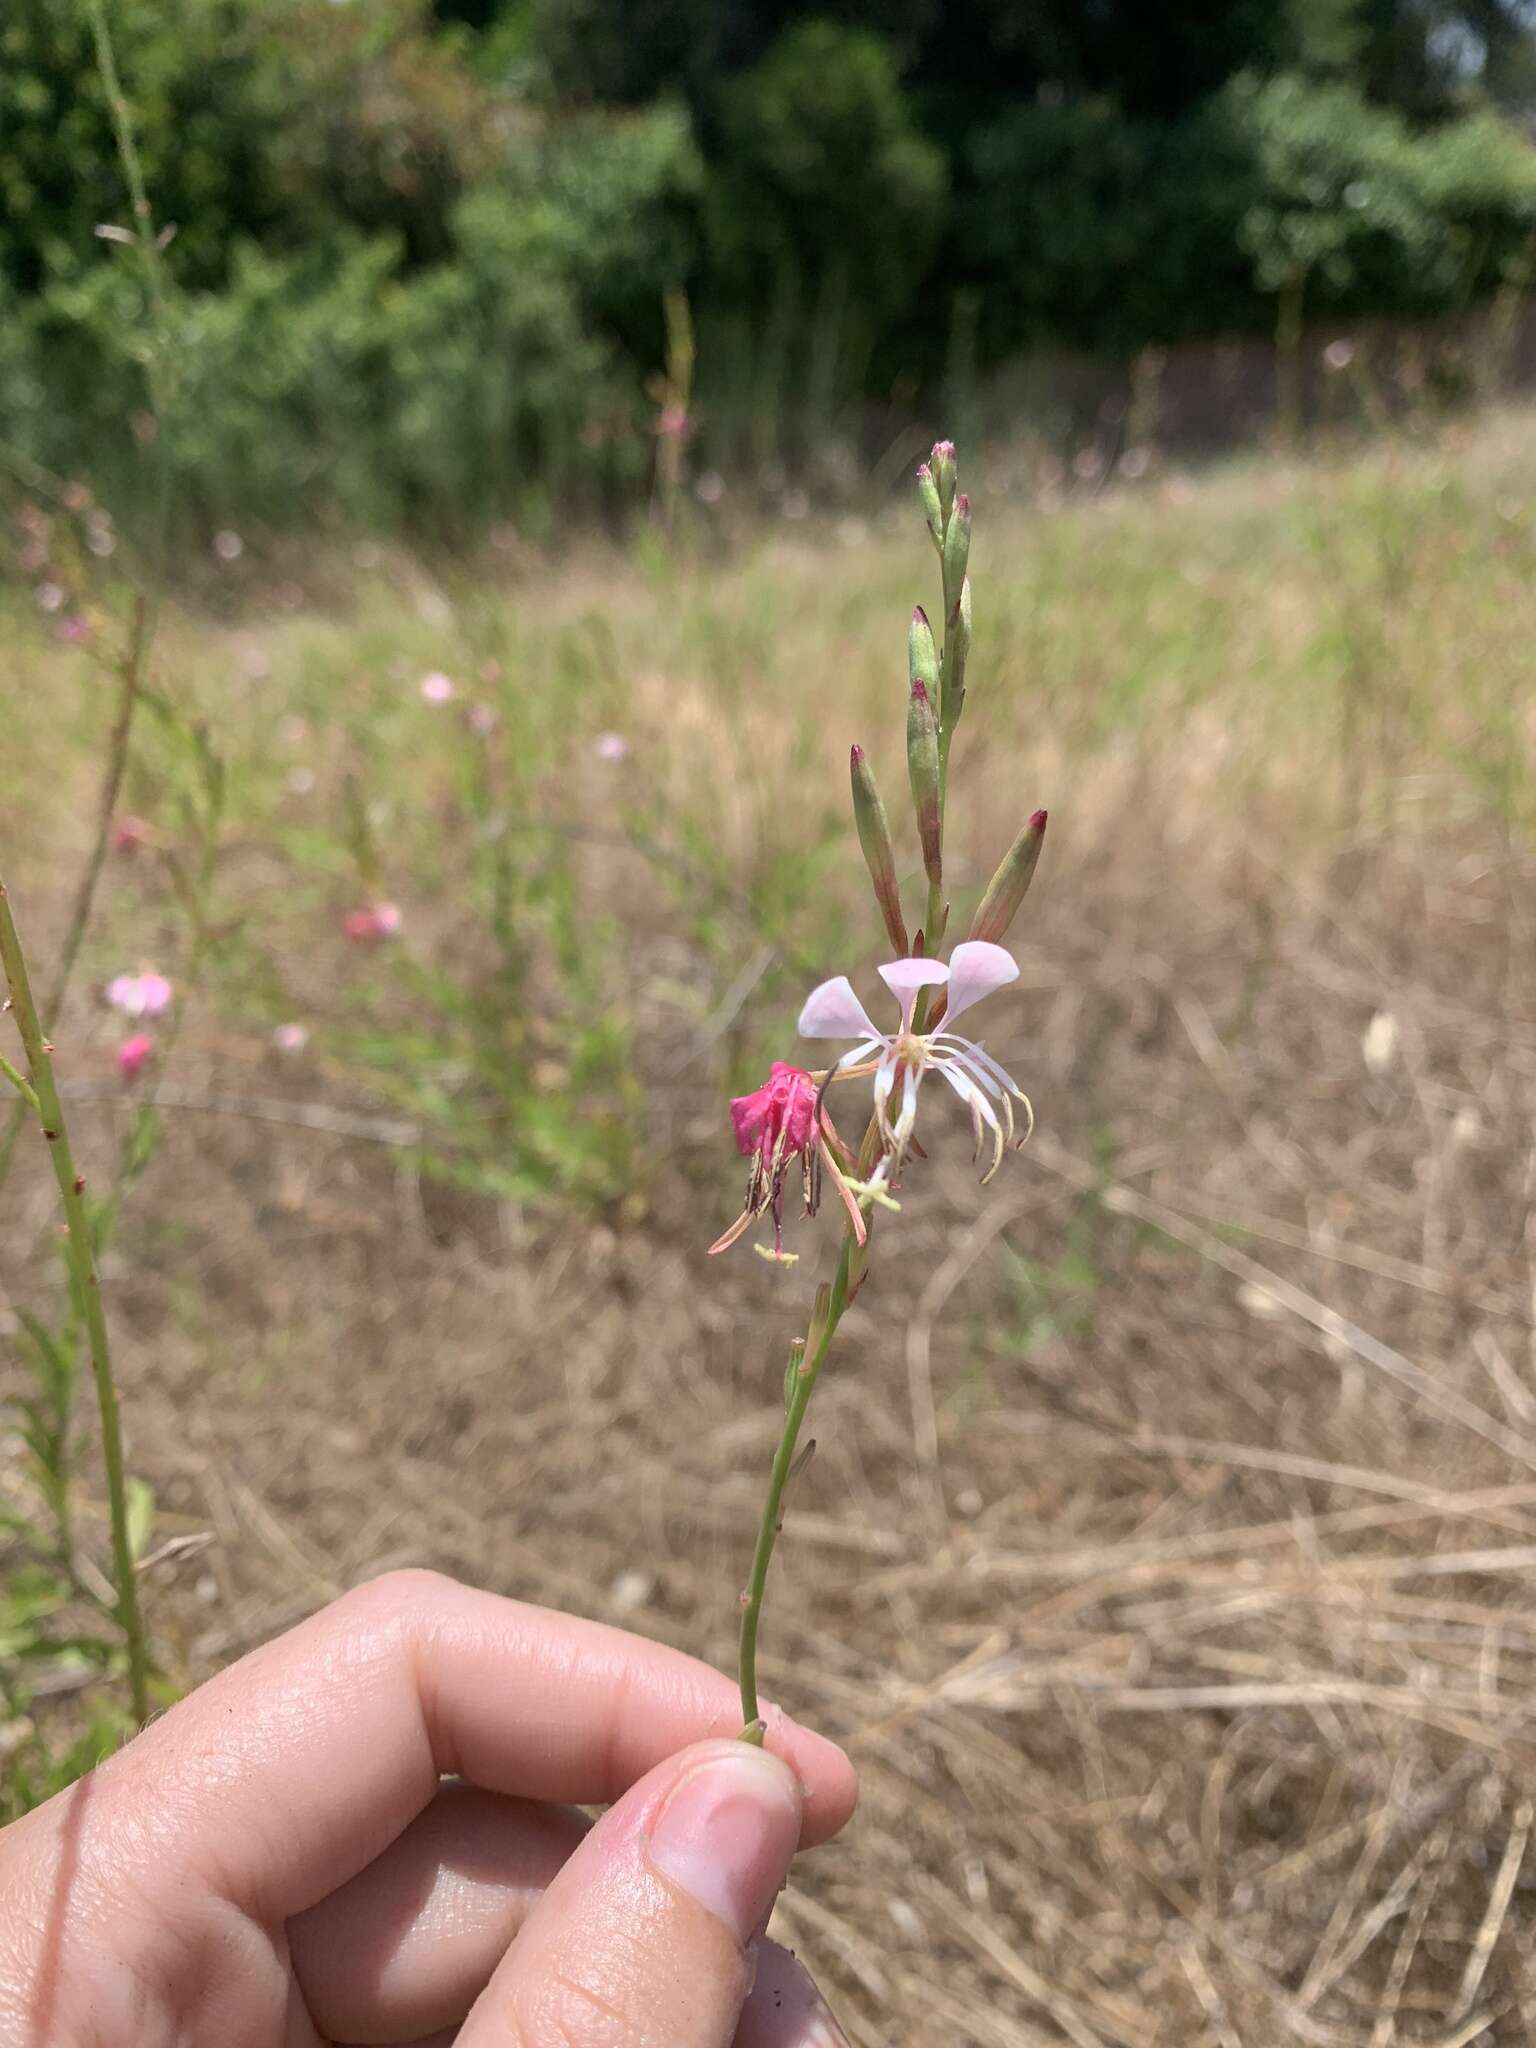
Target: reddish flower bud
1010,885
942,463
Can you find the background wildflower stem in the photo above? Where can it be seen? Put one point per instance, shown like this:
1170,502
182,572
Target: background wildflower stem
130,686
800,1387
86,1287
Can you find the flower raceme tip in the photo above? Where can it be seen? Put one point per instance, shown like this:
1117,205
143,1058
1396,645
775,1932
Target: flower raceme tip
904,1057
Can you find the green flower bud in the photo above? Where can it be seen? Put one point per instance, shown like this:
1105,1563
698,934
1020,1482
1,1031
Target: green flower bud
942,463
875,841
923,655
957,550
923,772
933,511
1010,885
957,652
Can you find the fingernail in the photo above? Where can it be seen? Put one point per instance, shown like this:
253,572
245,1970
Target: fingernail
727,1832
786,2009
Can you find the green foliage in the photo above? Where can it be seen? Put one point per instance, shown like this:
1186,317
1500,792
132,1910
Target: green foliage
824,172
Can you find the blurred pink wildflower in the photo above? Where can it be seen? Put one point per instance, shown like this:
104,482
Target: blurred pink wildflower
436,688
905,1056
74,630
370,921
482,720
130,833
133,1053
610,746
139,995
673,423
291,1037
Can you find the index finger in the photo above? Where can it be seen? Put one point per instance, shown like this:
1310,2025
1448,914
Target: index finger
289,1772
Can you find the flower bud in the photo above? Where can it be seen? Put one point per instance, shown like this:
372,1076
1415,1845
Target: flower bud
875,840
923,771
923,655
942,463
1010,885
933,511
957,652
957,549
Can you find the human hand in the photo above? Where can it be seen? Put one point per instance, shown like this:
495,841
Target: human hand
277,1863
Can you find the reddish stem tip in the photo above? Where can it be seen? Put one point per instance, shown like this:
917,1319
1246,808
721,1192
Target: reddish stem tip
856,754
1037,822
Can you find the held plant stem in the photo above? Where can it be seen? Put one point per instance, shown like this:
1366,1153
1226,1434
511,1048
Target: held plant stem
801,1384
87,1290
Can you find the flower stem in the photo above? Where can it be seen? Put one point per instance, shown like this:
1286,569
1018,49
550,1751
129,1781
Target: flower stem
798,1400
87,1290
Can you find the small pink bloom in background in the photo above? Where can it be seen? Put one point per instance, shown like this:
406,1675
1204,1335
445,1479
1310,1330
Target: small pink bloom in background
74,630
140,995
436,688
610,746
76,497
132,1054
130,833
673,422
50,596
371,921
228,545
482,720
291,1037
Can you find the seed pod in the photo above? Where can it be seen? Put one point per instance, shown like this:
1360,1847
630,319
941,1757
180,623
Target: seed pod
923,772
923,655
957,550
942,463
1010,885
875,841
933,511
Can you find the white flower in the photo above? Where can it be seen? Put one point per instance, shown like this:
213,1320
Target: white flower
975,969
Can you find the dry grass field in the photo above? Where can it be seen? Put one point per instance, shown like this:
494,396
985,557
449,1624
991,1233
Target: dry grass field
1166,1559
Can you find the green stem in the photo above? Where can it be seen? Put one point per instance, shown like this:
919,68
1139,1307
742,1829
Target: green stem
799,1400
87,1290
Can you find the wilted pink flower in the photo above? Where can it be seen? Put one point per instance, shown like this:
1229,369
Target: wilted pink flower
610,746
75,630
481,719
139,995
130,833
291,1037
775,1125
132,1054
975,969
371,921
437,688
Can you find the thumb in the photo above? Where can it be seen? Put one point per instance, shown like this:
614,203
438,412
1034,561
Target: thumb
649,1932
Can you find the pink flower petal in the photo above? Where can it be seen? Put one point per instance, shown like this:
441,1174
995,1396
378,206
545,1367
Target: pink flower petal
154,994
976,968
133,1053
123,994
905,977
834,1011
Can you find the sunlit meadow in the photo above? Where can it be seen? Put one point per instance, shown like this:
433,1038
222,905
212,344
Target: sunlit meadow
1160,1561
